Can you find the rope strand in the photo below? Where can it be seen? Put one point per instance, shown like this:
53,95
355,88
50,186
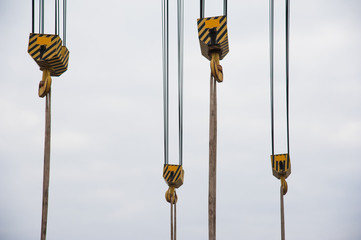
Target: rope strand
282,215
46,175
173,218
212,159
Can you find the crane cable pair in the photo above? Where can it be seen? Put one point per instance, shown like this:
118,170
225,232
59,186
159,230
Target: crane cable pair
51,55
281,165
173,174
213,40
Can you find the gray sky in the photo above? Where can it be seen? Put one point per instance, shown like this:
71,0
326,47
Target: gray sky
107,124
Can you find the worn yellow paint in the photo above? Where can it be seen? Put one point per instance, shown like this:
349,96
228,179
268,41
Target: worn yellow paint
212,23
43,41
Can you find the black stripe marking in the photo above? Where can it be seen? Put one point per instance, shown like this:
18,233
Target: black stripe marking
165,169
31,49
176,172
32,41
221,36
178,175
166,176
46,53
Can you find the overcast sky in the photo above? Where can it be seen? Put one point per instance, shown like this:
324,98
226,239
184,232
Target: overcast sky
107,124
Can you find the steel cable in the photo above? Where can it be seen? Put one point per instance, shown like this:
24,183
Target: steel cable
271,19
225,7
41,16
271,39
202,7
180,77
33,16
287,74
64,22
165,60
165,52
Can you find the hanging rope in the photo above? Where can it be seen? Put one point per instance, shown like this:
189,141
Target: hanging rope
281,162
212,159
282,214
173,218
41,46
213,39
46,174
173,174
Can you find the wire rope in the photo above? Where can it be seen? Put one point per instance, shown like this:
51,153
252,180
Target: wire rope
271,38
225,7
32,16
41,16
56,17
180,76
64,22
165,52
165,61
202,7
287,73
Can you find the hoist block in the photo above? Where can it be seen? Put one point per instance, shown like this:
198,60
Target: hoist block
173,175
48,53
281,165
213,36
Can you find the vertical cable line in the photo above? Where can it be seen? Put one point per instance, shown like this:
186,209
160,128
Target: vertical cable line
287,73
202,3
56,17
180,14
64,23
165,58
165,77
32,16
41,16
271,19
40,1
225,7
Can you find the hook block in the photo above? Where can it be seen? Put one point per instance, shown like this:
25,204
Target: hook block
48,53
281,165
213,36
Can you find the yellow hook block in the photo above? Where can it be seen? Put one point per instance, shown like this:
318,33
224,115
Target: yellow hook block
281,169
174,177
213,36
281,165
48,52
